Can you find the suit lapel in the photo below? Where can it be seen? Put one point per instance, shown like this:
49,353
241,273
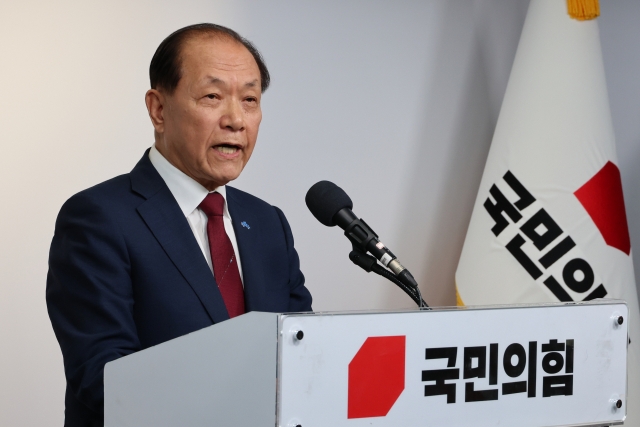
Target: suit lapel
163,216
248,236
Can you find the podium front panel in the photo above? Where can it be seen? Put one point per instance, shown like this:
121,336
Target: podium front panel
533,366
223,375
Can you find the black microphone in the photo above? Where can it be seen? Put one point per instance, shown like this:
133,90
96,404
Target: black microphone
332,206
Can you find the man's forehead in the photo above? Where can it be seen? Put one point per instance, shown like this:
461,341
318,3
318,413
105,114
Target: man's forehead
218,52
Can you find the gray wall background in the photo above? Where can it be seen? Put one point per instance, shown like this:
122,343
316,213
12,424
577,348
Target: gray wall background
394,101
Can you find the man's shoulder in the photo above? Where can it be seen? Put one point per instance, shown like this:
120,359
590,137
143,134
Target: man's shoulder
242,203
121,190
106,192
111,198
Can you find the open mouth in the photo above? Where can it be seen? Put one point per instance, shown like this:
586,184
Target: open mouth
226,148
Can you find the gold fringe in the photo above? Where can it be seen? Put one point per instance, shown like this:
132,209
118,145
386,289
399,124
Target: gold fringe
583,10
459,302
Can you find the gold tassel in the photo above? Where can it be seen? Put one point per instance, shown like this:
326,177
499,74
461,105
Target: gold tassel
583,10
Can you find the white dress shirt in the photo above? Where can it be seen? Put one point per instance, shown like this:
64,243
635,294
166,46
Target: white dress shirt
189,194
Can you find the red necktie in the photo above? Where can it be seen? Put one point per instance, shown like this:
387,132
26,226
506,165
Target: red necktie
225,265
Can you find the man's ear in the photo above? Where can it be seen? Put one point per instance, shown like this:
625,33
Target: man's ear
155,101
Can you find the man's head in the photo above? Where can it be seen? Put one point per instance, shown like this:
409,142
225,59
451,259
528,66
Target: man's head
204,101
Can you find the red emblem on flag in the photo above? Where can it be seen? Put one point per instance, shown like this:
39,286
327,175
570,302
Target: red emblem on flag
376,376
602,197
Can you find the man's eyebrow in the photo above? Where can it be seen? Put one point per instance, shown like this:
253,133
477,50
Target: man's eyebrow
215,80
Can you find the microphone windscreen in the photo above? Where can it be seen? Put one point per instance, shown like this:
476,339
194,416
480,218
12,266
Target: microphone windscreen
324,199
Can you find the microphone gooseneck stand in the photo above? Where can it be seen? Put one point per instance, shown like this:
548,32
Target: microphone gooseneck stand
332,206
368,263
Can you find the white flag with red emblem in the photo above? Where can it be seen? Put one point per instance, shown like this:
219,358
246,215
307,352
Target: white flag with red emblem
549,222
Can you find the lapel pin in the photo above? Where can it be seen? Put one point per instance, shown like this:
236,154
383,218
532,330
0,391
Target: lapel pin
244,224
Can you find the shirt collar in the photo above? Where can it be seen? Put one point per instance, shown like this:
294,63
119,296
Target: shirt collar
187,192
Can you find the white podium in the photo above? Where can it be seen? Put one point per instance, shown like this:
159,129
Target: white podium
531,365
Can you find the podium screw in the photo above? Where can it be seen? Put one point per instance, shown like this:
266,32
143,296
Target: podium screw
299,336
619,404
620,320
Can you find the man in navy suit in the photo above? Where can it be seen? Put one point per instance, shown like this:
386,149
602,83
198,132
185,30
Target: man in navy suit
133,262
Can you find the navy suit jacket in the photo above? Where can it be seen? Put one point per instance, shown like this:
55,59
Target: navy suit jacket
126,273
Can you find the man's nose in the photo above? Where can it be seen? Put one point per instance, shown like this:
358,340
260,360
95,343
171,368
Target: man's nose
233,119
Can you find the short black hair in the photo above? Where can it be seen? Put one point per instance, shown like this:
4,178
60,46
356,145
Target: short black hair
164,70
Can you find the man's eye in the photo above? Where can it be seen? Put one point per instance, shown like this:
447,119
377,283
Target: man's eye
212,96
252,99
